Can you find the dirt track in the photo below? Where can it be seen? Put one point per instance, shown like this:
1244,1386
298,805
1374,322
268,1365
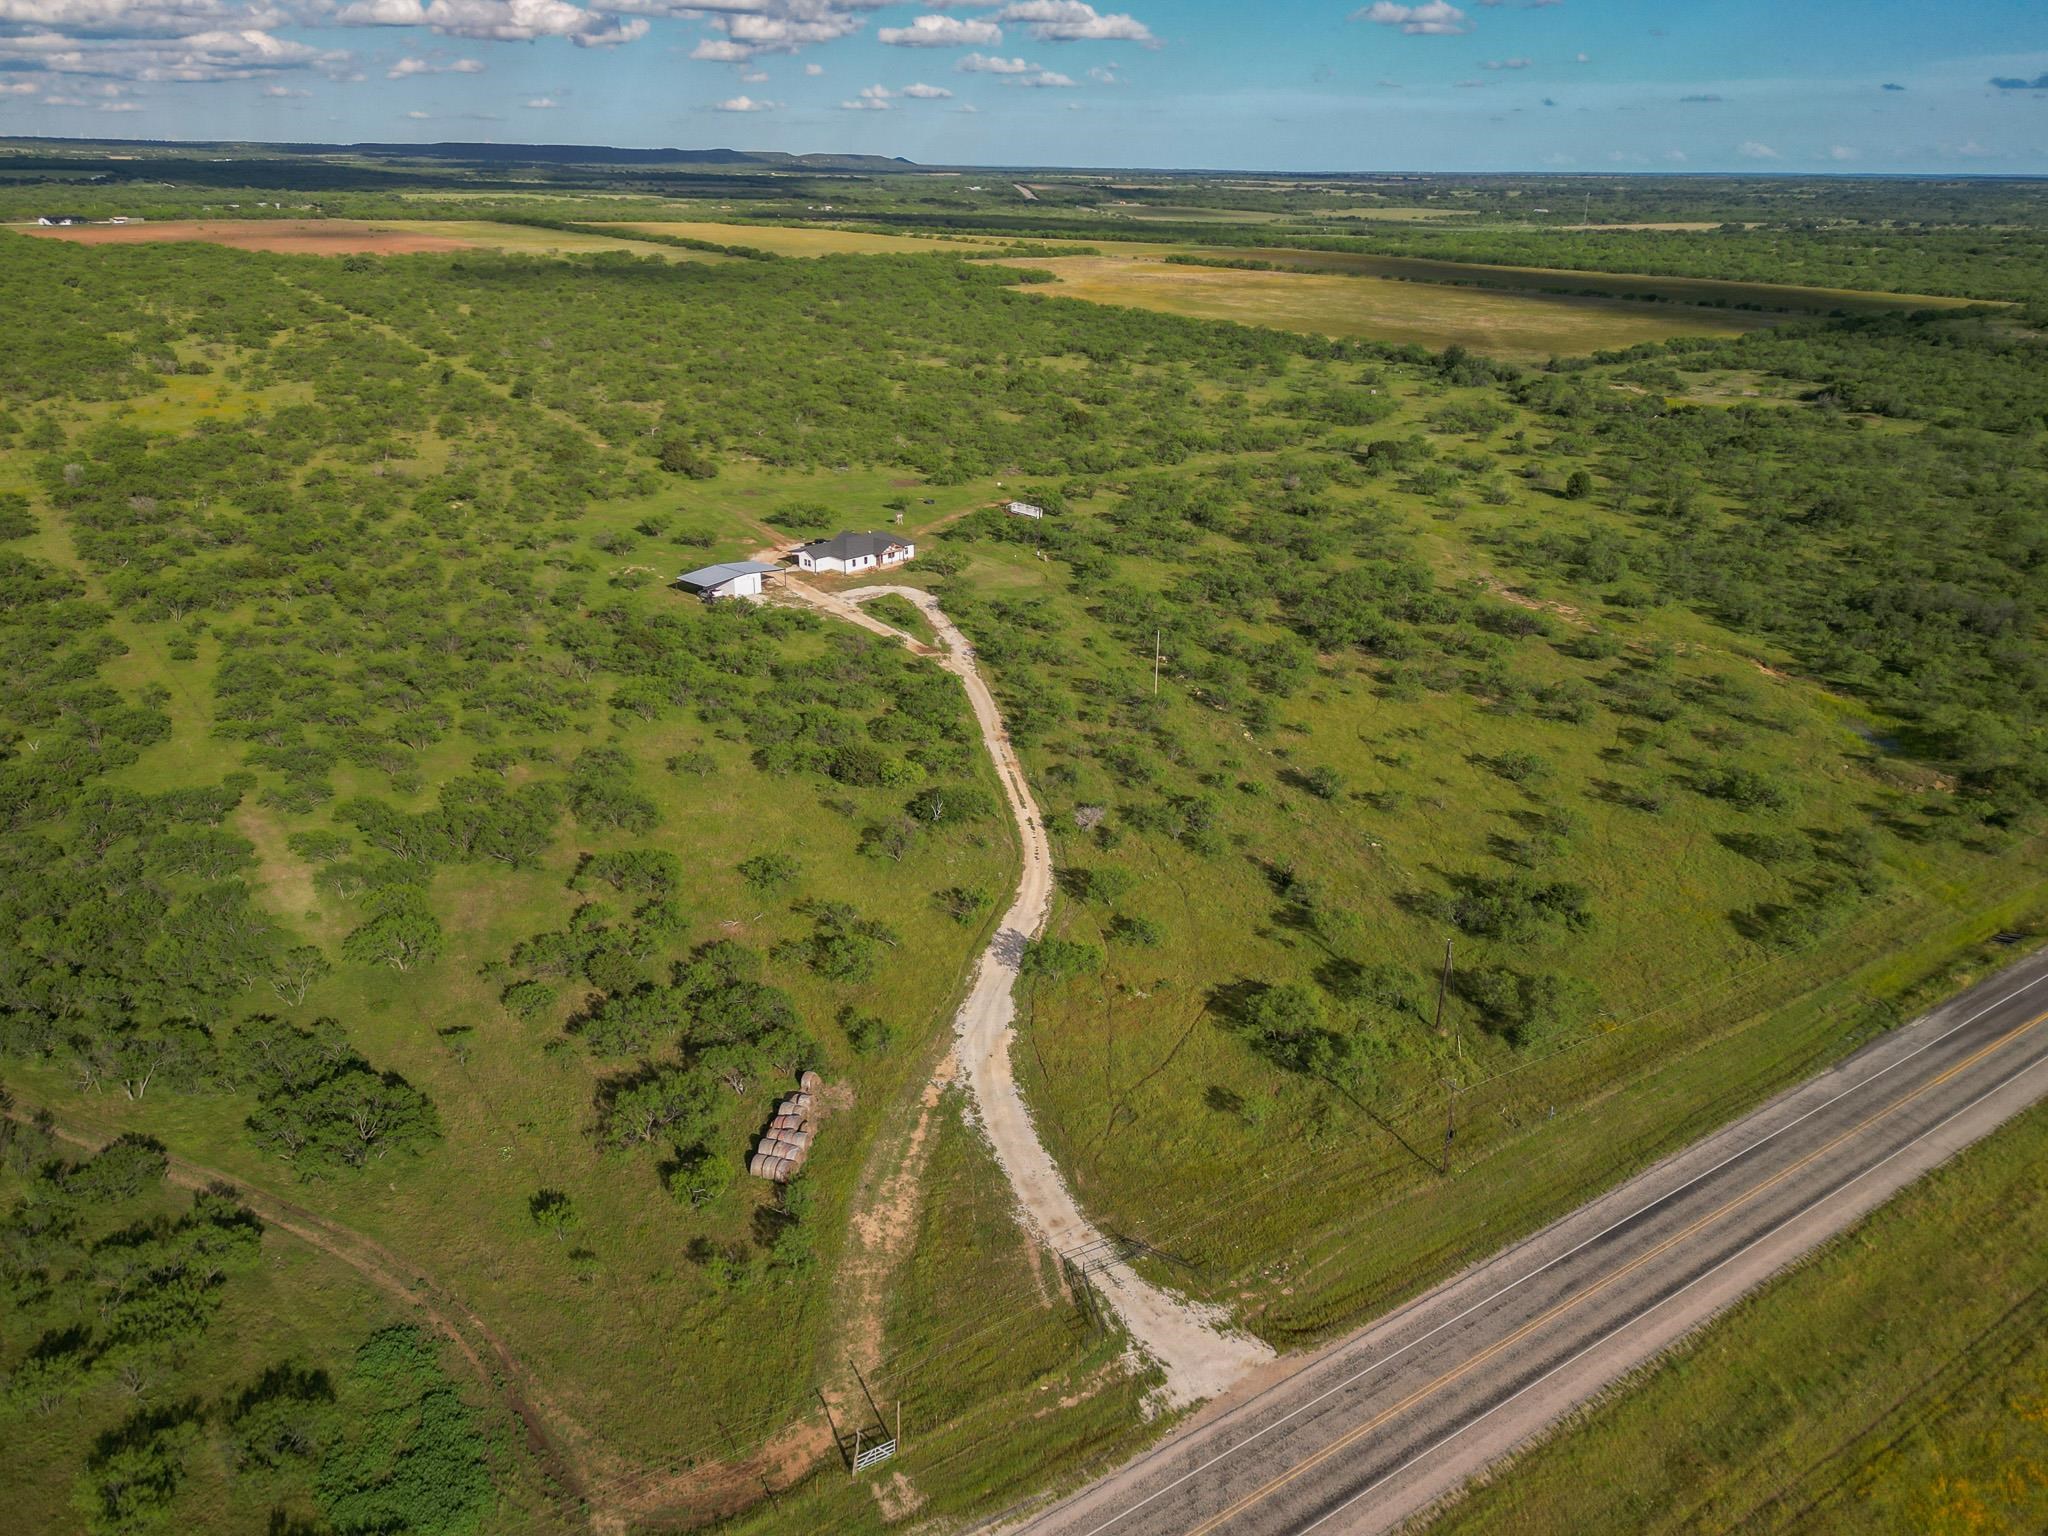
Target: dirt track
1199,1355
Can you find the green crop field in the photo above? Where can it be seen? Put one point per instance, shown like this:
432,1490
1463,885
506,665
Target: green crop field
1897,1382
388,837
1512,325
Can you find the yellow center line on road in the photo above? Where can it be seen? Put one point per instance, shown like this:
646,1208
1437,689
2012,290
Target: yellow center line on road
1429,1389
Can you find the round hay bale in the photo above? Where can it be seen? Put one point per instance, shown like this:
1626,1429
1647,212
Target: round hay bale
810,1082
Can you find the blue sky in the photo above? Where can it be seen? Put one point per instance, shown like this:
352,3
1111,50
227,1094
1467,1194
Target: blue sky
1590,85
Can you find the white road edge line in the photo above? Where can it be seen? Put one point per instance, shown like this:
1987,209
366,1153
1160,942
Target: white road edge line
1623,1221
1608,1338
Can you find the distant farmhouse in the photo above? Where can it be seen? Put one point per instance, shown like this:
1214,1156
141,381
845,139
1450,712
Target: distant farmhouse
1023,509
855,552
735,578
60,218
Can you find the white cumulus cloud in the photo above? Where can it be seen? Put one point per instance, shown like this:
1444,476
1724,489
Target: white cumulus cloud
1073,21
410,66
985,64
941,32
744,104
503,21
748,28
1750,149
1433,18
248,54
922,92
139,18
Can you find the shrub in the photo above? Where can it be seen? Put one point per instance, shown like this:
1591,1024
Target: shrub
1744,788
1055,960
1139,932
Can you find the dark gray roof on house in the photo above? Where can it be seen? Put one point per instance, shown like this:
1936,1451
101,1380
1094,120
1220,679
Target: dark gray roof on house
851,546
717,575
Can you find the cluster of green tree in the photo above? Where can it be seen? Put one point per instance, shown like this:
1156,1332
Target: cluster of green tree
1975,370
1787,523
123,943
104,1309
1978,263
323,1108
1904,565
835,364
110,1298
412,1457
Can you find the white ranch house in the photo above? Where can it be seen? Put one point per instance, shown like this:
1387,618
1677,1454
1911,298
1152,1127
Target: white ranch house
850,552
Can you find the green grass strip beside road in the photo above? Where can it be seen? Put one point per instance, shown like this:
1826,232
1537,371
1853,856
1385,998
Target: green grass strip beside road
1896,1382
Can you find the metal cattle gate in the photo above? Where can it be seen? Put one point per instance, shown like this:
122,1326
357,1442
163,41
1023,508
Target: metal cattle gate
863,1459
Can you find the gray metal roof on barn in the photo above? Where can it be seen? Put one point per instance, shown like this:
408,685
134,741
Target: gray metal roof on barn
719,575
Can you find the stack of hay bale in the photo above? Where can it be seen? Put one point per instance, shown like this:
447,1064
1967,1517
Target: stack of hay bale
787,1141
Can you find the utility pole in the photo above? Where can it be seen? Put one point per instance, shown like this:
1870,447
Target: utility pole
1443,985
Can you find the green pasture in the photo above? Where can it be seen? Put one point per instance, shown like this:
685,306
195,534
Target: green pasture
515,1113
1535,690
1308,1206
1634,287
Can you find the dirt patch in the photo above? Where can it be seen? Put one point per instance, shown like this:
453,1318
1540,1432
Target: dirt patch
1565,611
882,1227
714,1491
285,879
897,1498
316,237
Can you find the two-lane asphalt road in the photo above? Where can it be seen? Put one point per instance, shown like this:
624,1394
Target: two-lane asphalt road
1380,1426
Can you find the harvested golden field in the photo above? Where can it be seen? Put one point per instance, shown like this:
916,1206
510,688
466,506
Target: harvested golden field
534,240
1509,325
352,237
318,237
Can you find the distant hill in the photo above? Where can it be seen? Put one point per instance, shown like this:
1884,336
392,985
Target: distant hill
511,154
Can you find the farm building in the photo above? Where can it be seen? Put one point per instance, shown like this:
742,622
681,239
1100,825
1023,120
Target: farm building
735,578
781,1151
854,552
60,218
1023,509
